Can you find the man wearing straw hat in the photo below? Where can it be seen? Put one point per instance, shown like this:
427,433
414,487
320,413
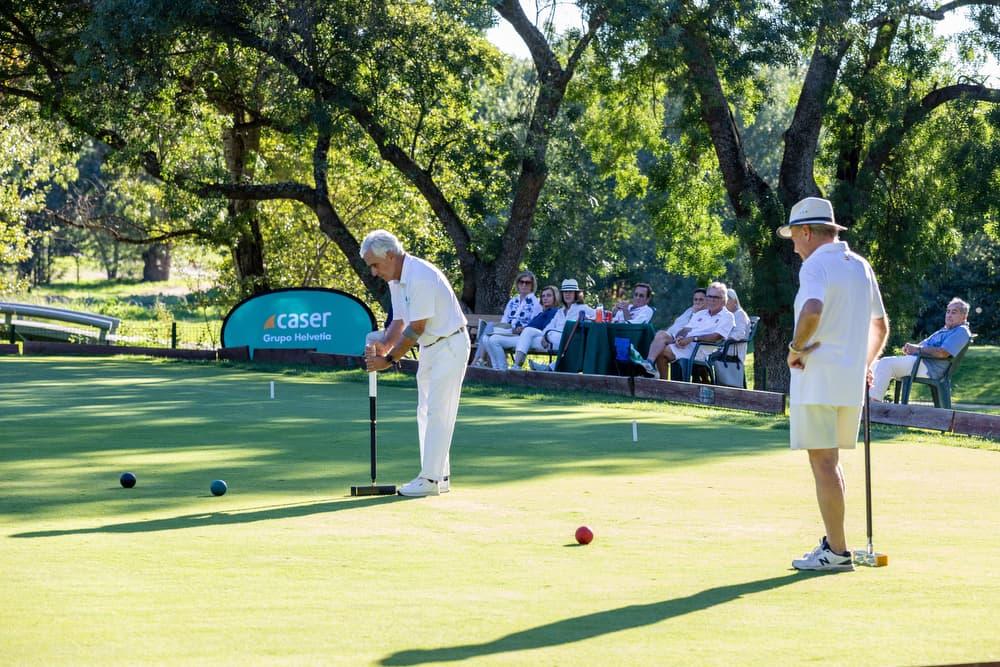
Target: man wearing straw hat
840,329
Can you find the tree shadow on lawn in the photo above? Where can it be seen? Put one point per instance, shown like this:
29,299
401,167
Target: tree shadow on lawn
202,519
64,433
599,623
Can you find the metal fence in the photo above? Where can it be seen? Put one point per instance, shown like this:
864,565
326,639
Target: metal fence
139,333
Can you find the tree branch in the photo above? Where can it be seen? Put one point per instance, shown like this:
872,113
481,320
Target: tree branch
595,22
882,148
250,192
797,176
92,225
545,60
932,14
737,174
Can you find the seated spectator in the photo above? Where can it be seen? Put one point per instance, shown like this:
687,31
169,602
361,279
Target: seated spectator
709,325
941,346
547,339
741,327
498,344
680,327
516,314
637,311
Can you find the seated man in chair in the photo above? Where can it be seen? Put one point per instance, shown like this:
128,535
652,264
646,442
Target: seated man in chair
709,325
941,346
638,310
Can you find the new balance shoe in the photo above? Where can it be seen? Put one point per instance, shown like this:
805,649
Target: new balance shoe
444,486
824,559
419,487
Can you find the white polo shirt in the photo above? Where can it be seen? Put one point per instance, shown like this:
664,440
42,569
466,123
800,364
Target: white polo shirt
423,293
637,315
704,323
844,282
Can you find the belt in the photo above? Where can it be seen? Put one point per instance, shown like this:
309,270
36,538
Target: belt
453,333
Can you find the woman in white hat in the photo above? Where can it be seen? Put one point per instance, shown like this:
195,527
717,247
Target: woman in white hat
573,309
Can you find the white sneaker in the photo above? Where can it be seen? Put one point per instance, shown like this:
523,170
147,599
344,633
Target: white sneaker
823,559
418,488
650,368
538,366
516,368
444,486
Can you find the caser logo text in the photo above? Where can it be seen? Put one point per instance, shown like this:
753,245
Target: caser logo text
298,320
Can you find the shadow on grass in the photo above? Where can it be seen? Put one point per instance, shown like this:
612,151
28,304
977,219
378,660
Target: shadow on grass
221,518
71,423
594,625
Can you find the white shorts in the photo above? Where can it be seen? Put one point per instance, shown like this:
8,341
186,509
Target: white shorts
816,426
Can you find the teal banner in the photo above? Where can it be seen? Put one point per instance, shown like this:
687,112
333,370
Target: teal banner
326,320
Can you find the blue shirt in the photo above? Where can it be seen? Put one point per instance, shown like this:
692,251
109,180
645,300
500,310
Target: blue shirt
952,340
542,319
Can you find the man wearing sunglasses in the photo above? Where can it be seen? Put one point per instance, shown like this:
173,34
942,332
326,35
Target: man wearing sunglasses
638,310
709,325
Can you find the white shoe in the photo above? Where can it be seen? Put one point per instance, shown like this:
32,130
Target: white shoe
444,486
536,366
650,368
516,368
823,559
418,488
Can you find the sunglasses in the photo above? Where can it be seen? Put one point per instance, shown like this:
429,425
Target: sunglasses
524,282
714,296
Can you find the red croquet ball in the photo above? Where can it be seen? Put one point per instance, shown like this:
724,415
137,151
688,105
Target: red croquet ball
584,535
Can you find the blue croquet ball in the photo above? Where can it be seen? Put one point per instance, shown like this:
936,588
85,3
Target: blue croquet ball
127,480
218,487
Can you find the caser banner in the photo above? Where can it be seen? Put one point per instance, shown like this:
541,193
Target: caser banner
326,320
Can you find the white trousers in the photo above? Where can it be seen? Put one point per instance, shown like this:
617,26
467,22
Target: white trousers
531,340
440,373
497,346
887,369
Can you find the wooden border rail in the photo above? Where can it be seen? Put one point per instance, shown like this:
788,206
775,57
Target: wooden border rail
912,416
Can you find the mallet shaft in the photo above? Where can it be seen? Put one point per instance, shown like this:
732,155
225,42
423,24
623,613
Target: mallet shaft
372,396
867,423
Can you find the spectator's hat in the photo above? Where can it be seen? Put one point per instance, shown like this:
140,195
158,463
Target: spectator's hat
810,211
569,285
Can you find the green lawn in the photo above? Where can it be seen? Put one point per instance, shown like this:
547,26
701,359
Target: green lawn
695,527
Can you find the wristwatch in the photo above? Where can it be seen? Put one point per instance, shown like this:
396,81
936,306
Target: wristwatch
791,346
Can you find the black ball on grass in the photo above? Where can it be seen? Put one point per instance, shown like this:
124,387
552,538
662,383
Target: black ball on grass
218,487
127,480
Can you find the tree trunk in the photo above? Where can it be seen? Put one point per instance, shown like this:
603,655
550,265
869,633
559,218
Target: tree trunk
156,263
240,144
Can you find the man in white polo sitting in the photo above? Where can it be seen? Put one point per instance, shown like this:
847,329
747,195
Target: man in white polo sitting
709,325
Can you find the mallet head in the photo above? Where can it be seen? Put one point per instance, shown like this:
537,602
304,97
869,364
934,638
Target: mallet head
870,558
374,490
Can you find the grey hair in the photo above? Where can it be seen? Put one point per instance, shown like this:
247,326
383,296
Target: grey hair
380,243
731,294
962,305
720,286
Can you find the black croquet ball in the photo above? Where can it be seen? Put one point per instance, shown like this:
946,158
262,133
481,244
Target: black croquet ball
218,487
127,480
